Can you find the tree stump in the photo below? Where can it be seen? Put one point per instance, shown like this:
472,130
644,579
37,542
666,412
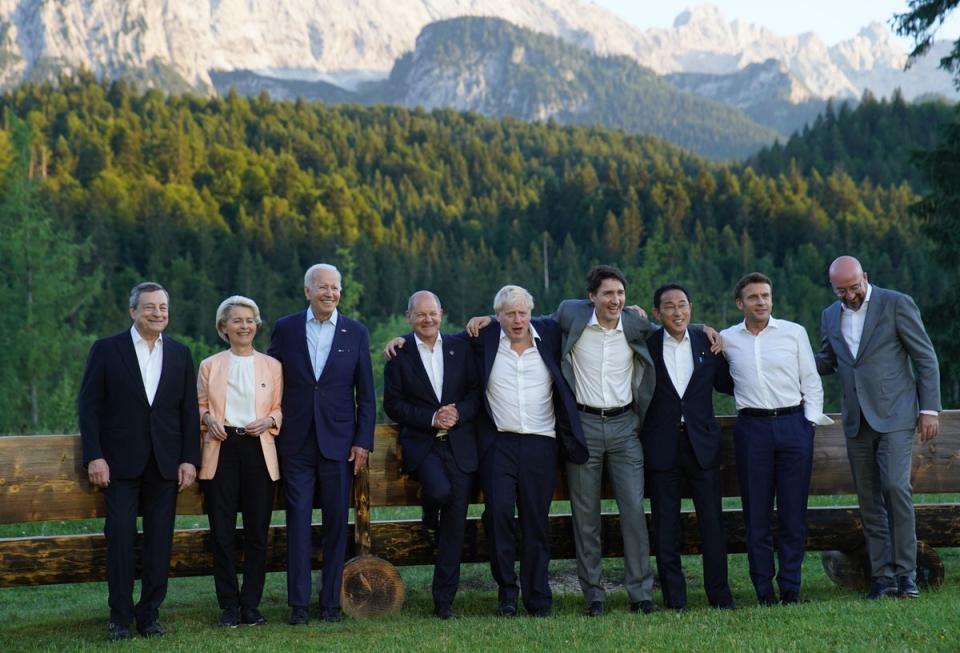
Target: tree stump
851,569
371,586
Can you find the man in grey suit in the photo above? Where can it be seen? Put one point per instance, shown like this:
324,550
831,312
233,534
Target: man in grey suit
876,340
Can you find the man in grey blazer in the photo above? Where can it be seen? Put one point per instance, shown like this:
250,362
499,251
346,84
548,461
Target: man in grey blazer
876,340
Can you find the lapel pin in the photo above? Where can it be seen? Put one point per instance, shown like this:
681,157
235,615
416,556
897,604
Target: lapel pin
343,330
450,352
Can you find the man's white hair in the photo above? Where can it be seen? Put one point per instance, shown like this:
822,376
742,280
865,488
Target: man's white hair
319,267
512,296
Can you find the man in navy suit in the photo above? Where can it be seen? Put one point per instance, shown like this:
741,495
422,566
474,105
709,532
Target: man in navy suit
140,432
431,389
329,410
681,444
531,417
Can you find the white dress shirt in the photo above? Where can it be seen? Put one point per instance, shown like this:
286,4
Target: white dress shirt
678,359
432,363
774,369
241,408
602,366
320,339
150,362
851,322
520,390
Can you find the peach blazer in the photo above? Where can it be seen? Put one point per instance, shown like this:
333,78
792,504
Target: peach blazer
212,393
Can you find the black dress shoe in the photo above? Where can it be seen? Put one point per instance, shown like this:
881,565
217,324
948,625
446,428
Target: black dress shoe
507,609
252,617
444,612
152,629
646,607
787,598
331,615
907,588
229,618
298,617
595,609
767,600
881,590
118,632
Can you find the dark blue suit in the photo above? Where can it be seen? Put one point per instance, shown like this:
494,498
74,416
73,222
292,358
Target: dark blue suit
322,419
520,471
144,445
445,468
689,454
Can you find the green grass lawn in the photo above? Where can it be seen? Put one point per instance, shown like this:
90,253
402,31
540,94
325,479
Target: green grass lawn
73,618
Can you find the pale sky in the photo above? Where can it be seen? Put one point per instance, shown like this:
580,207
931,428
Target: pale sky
833,20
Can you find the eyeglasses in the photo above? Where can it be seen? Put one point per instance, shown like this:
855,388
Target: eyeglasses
842,292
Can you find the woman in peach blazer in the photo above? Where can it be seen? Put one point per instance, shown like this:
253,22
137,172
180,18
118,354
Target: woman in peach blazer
239,392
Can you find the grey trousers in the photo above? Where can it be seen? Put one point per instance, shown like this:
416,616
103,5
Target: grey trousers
881,464
615,441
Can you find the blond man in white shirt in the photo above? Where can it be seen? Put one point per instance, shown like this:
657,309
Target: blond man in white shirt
779,401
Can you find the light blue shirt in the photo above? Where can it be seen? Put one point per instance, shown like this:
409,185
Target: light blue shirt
320,339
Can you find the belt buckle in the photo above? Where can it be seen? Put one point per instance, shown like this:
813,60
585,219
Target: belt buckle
241,431
442,435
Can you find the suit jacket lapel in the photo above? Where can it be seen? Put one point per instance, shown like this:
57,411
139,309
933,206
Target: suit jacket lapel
451,360
413,352
300,338
340,334
129,357
578,324
875,307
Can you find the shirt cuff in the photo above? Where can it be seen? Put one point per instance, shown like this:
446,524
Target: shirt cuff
819,419
932,413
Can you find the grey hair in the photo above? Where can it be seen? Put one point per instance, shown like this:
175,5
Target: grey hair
512,296
313,269
413,299
146,286
223,312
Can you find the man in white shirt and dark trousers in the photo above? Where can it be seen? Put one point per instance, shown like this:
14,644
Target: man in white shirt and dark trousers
779,401
875,339
531,417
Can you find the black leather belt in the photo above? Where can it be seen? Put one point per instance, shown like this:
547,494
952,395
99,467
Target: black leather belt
770,412
442,435
604,412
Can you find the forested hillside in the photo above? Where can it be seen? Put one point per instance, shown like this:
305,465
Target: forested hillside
219,196
878,140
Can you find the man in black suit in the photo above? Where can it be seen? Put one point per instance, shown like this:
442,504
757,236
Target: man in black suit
431,389
531,417
681,444
140,431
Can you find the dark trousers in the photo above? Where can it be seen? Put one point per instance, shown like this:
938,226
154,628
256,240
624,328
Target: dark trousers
124,497
774,460
242,483
665,488
444,488
305,473
520,471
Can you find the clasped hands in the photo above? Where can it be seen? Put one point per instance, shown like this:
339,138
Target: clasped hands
446,417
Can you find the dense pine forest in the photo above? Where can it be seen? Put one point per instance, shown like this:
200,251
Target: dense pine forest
880,140
104,186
